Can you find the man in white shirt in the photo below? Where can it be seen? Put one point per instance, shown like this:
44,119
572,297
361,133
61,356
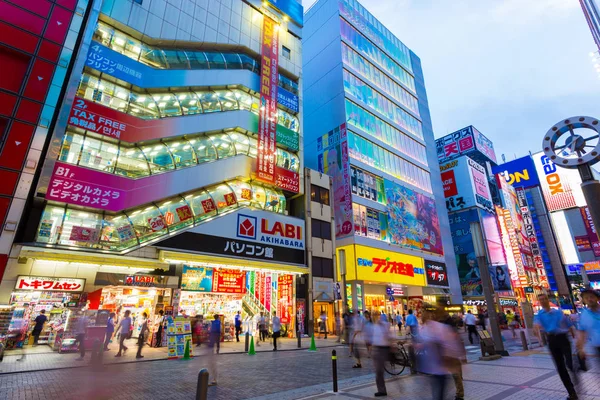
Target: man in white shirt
381,342
124,329
471,323
276,330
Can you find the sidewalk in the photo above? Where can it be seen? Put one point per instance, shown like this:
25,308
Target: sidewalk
43,358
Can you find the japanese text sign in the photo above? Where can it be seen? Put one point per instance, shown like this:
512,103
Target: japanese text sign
437,274
47,284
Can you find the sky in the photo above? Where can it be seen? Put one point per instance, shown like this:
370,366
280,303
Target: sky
511,68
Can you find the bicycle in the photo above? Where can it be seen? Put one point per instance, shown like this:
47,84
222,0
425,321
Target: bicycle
398,361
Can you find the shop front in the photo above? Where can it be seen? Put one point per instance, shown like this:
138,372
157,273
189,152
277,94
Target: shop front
383,281
324,306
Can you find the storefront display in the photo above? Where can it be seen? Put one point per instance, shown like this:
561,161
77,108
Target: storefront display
179,335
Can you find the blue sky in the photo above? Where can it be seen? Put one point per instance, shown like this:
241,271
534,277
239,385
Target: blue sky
511,68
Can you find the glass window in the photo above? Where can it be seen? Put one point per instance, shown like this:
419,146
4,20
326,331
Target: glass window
103,34
126,45
183,153
81,228
148,223
259,196
228,100
176,59
132,163
233,60
253,147
283,159
143,106
197,60
224,145
153,57
282,202
224,197
215,60
117,233
210,101
168,105
202,205
88,87
294,163
71,147
286,53
273,201
249,63
177,213
241,142
159,158
203,146
99,155
244,99
190,104
50,225
243,192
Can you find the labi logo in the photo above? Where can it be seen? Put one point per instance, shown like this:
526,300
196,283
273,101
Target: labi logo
246,226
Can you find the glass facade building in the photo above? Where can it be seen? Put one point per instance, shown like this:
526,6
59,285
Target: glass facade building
367,124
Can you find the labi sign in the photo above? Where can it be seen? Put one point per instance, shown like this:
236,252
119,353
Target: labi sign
518,173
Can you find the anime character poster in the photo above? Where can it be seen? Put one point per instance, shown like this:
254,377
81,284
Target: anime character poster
412,219
466,260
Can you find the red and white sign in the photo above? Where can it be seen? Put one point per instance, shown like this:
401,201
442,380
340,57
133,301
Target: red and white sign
267,114
229,281
157,223
47,284
284,298
85,117
449,183
287,180
83,234
268,291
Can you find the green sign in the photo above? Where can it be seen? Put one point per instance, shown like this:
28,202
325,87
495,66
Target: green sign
285,137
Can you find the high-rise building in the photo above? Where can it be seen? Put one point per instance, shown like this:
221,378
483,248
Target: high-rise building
170,165
592,17
367,124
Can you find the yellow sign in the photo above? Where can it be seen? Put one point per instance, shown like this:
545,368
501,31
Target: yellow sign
375,265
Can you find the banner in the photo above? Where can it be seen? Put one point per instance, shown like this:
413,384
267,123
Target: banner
198,279
532,239
267,115
284,298
268,291
465,185
48,284
332,154
229,281
561,187
466,260
590,230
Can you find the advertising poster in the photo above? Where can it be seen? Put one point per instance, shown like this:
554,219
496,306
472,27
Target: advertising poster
301,307
455,144
437,274
229,281
412,219
518,173
561,187
483,197
590,230
285,293
268,291
500,277
332,149
198,279
260,287
267,116
252,282
465,185
376,265
83,234
466,260
484,145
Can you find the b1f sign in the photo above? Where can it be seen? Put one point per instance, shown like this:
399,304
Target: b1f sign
518,173
561,186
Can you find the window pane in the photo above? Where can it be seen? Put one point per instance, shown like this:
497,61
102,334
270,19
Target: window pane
204,148
176,59
228,100
159,158
182,153
242,144
202,205
148,223
248,62
50,225
98,155
153,57
88,87
243,192
224,197
142,106
273,201
81,229
283,159
325,230
71,147
210,101
253,147
244,100
197,59
314,193
117,233
224,145
177,213
103,33
324,193
189,103
316,228
168,105
233,61
259,196
215,60
132,163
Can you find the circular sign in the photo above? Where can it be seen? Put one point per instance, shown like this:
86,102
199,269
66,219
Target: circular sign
568,148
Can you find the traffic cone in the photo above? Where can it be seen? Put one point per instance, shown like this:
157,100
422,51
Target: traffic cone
251,351
313,346
186,353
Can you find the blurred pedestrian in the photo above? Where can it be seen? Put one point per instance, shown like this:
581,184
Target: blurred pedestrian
589,325
338,327
556,325
471,322
110,330
512,323
357,327
367,331
276,329
159,321
459,357
399,322
124,330
381,340
214,346
238,325
412,323
143,331
80,331
39,321
323,324
262,329
198,330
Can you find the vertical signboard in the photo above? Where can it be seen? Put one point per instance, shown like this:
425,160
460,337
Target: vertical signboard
332,154
560,186
465,185
466,260
267,114
590,230
284,303
484,145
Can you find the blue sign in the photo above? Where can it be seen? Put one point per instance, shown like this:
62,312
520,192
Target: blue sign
466,259
291,8
518,173
115,64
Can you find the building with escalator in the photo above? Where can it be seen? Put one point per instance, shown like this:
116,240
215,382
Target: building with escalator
166,177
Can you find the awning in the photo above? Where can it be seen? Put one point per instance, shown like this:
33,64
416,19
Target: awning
323,297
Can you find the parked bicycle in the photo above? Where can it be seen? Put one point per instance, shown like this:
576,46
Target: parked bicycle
399,360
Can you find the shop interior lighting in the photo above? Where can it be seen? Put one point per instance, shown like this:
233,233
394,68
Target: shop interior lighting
229,266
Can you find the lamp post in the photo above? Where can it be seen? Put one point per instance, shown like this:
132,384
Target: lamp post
486,283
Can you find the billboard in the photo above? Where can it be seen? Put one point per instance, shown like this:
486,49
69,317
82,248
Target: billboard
291,8
466,260
561,187
437,274
267,114
465,185
590,229
412,219
332,155
375,265
518,173
466,141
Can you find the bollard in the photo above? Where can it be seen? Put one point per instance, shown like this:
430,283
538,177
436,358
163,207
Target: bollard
524,341
299,340
247,342
202,387
334,368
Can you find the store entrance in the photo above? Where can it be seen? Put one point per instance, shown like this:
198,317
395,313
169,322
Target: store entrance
324,318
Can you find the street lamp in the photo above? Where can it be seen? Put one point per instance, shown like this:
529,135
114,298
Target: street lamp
486,283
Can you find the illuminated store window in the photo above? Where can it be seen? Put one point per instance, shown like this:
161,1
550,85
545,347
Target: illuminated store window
126,45
259,196
190,104
148,223
224,197
153,57
274,202
50,225
177,213
204,148
71,147
159,158
202,205
177,59
183,153
224,145
244,100
253,147
243,192
142,106
210,101
168,105
228,100
117,233
99,155
80,228
241,142
132,163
